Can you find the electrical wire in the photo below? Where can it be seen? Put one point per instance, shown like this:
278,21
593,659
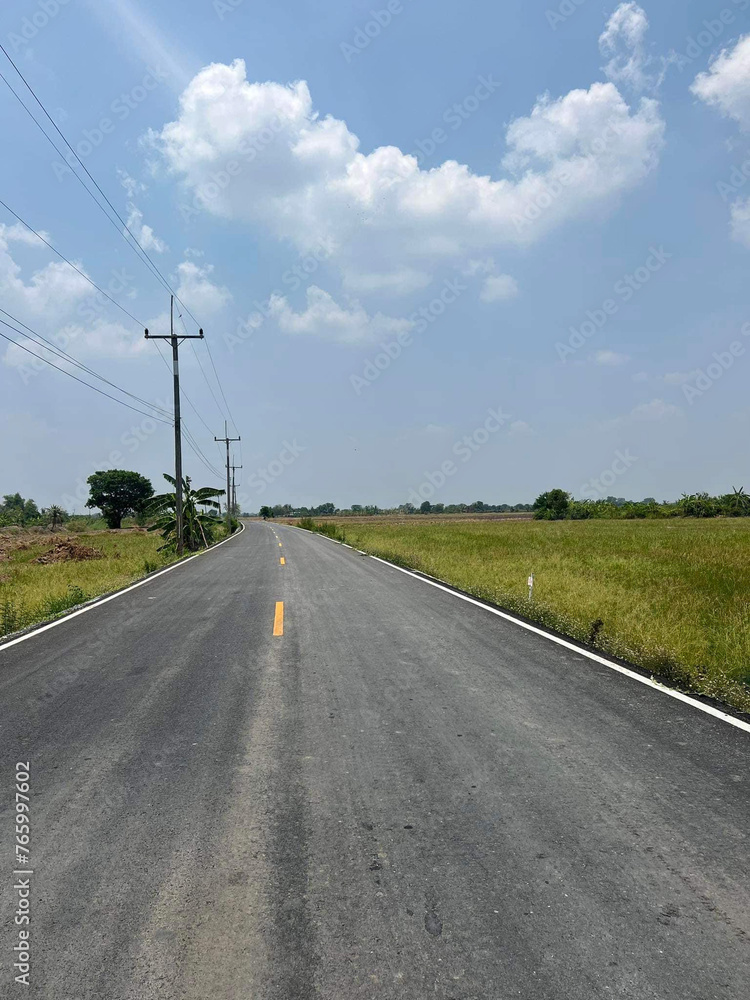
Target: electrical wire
37,338
75,377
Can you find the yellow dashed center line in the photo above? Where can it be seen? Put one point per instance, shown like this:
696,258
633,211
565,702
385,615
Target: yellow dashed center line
282,561
278,621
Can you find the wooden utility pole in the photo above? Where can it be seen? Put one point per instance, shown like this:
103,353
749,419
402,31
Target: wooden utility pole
234,488
175,341
226,439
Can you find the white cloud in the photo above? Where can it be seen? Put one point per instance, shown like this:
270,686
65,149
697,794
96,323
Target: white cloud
198,292
610,358
657,409
640,377
131,185
624,42
726,84
740,221
51,291
20,234
261,153
499,288
143,233
325,318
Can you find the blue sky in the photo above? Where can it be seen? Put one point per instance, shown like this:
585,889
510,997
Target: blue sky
525,228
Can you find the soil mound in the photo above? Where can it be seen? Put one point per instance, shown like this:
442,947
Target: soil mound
69,551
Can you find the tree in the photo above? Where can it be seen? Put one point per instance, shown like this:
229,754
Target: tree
118,494
197,526
426,507
737,503
55,515
265,513
552,506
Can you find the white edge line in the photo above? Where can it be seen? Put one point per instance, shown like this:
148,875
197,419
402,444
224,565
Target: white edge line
119,593
648,681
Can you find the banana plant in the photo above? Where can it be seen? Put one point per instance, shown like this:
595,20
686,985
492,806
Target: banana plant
198,526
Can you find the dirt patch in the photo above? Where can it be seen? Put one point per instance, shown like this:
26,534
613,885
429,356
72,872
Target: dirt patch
69,551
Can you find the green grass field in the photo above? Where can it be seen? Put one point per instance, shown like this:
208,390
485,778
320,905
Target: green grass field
31,592
673,596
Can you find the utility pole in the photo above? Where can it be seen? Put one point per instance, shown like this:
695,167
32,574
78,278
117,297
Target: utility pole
226,439
234,488
175,341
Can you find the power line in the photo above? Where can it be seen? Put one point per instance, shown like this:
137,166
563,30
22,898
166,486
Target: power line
75,377
37,338
119,306
135,245
70,263
142,255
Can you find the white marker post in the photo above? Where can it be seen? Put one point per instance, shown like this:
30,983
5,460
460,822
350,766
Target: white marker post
531,587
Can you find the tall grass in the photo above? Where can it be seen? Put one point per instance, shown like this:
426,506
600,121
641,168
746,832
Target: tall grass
31,592
670,596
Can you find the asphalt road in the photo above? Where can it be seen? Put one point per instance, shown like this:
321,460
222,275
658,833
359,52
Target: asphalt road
401,796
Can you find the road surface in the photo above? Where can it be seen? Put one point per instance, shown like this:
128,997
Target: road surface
397,795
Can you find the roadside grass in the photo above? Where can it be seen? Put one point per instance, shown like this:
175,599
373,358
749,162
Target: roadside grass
672,597
31,592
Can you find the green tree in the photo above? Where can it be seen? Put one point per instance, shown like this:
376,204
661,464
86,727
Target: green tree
426,507
55,516
736,503
118,494
265,513
552,506
198,526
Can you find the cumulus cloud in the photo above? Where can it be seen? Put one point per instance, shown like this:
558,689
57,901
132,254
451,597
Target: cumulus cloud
499,288
623,41
323,317
59,304
143,233
726,87
197,291
261,153
726,84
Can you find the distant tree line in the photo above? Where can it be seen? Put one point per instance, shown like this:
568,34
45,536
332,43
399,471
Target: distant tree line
557,505
363,510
